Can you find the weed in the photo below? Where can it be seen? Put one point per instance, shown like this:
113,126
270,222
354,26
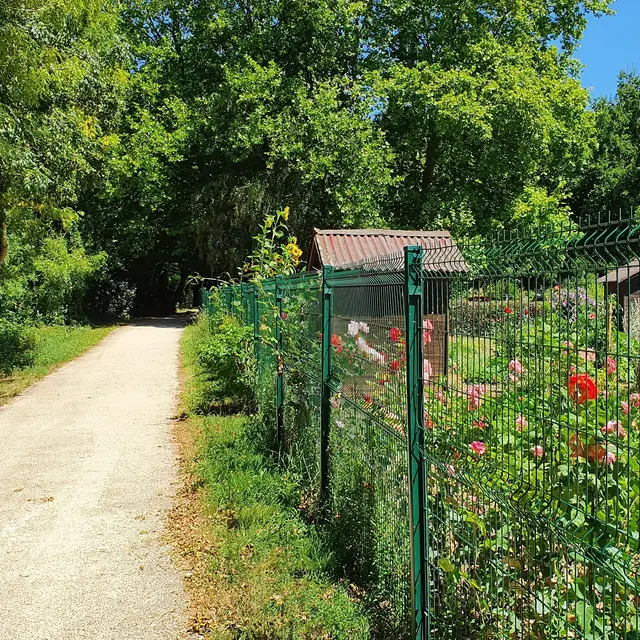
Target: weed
266,573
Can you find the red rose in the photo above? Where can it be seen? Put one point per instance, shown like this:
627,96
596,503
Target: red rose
394,334
582,388
395,366
508,310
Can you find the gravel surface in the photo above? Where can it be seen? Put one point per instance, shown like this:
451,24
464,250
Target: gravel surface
87,474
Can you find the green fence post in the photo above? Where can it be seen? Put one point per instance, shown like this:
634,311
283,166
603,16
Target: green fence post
279,361
325,407
204,299
414,306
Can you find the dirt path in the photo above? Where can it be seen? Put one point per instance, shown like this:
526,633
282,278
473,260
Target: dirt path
87,470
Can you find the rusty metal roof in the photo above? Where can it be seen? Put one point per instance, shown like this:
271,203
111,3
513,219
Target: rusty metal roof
345,247
621,274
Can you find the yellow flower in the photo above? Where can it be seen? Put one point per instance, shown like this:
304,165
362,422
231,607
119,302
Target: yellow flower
268,222
285,213
294,249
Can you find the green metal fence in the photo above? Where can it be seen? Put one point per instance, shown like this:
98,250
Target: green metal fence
468,421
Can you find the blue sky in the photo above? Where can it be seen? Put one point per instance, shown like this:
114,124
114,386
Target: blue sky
610,44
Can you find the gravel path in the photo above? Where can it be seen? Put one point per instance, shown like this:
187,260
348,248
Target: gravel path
87,470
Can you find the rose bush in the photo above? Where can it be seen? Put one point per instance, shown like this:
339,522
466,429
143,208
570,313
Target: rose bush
547,445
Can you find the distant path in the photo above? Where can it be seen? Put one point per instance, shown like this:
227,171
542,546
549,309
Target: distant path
87,470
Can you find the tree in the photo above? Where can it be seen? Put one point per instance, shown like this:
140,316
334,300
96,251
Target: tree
481,108
611,183
60,80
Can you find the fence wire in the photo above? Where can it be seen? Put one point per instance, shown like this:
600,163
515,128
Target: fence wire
531,430
532,442
300,353
368,445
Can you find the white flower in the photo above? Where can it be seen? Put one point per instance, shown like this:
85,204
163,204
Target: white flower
364,327
353,327
376,356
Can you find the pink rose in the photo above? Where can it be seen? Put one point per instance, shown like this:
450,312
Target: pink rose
521,423
478,447
480,423
516,366
614,426
475,392
538,451
588,355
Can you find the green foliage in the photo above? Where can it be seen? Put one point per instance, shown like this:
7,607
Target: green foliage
272,256
465,115
219,348
16,346
61,76
267,556
167,122
611,182
225,360
273,567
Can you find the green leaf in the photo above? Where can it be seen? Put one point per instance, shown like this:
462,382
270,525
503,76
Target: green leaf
446,565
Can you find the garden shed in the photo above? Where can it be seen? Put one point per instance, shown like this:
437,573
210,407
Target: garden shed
341,248
624,283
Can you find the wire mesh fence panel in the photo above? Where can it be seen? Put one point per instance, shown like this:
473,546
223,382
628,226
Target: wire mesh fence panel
368,449
533,484
302,372
531,487
265,327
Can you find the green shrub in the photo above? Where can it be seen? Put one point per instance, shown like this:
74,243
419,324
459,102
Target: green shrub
226,359
16,346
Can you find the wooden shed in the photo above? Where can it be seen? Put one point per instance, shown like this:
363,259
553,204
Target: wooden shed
341,248
624,283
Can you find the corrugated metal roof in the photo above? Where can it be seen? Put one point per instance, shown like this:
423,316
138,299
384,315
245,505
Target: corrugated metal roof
345,247
621,274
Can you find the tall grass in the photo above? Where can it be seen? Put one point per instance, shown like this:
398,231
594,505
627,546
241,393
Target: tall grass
269,576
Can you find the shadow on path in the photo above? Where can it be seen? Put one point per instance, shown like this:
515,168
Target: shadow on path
166,322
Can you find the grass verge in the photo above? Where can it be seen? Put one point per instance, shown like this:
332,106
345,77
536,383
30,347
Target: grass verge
255,569
55,345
